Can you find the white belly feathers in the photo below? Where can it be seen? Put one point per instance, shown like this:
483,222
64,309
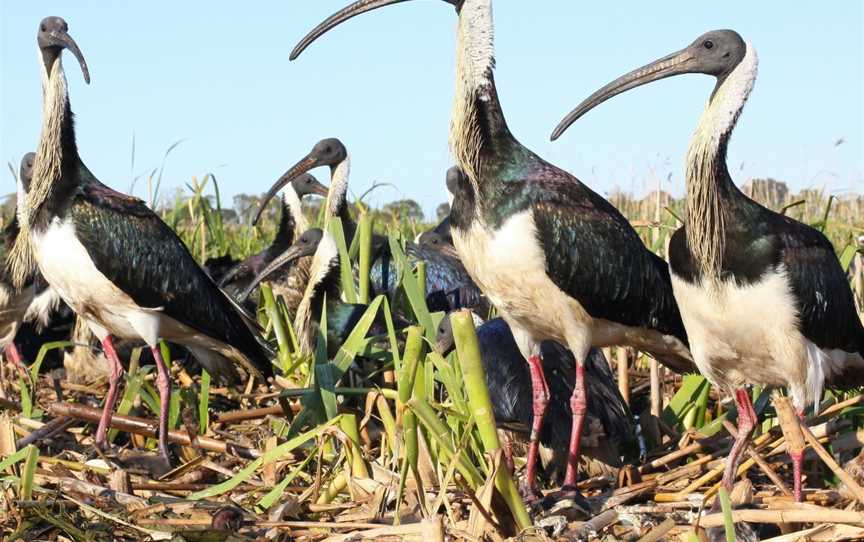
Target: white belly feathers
68,268
750,335
510,268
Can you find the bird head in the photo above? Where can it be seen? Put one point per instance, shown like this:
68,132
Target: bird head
25,173
348,12
714,53
430,239
306,245
456,180
308,185
53,37
444,341
327,152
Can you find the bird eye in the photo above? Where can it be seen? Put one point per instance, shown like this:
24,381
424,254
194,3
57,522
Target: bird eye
708,44
43,28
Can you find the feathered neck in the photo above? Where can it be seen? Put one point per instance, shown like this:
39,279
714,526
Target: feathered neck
57,153
337,198
710,189
323,283
477,125
54,170
293,222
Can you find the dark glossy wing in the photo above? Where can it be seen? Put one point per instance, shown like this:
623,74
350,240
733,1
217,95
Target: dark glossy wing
143,257
826,307
448,284
593,254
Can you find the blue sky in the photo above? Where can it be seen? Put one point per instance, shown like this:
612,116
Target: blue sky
218,76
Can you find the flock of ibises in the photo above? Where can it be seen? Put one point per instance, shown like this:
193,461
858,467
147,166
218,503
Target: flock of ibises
748,296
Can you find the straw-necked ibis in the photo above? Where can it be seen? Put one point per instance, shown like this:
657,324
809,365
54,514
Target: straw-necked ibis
763,297
115,262
557,260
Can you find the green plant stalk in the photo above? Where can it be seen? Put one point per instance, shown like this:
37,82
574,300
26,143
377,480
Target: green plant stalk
406,382
702,404
441,434
26,400
278,325
337,486
687,394
204,403
416,297
364,229
36,366
26,491
405,388
12,459
133,387
388,421
421,277
359,469
275,494
334,226
726,505
474,376
391,334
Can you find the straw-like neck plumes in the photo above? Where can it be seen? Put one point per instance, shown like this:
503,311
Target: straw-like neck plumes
57,153
709,186
476,118
292,201
323,282
338,193
337,198
56,156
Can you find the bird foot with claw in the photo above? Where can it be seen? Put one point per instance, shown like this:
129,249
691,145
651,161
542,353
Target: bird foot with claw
530,495
567,498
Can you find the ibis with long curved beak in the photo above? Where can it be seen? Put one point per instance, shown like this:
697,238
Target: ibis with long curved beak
332,153
557,260
115,262
763,296
290,281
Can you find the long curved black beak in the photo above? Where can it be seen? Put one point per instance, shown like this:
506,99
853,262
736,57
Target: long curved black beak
289,255
675,64
352,10
319,189
305,164
63,39
234,271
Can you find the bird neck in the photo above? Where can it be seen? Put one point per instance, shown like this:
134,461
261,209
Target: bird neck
323,284
57,152
289,226
478,130
711,193
337,198
293,222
